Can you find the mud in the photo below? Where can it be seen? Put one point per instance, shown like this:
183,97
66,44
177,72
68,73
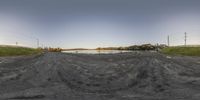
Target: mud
125,76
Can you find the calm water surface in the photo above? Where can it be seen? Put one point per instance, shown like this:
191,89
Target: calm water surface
96,51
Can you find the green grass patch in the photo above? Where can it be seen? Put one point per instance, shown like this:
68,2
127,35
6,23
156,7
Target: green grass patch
17,51
185,51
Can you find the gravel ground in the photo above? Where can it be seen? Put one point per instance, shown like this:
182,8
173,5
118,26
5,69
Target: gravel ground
126,76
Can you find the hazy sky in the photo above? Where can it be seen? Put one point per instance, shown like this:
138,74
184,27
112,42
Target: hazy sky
98,23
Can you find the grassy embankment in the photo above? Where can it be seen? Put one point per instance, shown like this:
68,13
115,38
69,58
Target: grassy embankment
185,51
17,51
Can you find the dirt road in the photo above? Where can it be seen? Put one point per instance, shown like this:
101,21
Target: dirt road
127,76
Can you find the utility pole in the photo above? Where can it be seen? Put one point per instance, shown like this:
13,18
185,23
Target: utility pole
16,43
168,43
38,43
42,46
185,38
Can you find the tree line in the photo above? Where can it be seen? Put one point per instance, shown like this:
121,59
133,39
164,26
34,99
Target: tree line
136,47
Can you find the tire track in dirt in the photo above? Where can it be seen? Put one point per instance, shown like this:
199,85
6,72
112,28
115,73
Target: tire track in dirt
54,76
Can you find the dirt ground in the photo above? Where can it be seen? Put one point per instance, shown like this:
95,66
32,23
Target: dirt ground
126,76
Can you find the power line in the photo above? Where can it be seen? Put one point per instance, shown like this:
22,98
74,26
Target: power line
19,36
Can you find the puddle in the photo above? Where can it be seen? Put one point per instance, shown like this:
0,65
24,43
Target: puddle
168,57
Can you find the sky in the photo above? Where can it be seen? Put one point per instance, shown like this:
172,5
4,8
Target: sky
98,23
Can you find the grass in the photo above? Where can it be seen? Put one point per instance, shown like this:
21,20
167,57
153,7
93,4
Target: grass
17,51
185,51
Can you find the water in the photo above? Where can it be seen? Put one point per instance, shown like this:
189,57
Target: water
96,51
